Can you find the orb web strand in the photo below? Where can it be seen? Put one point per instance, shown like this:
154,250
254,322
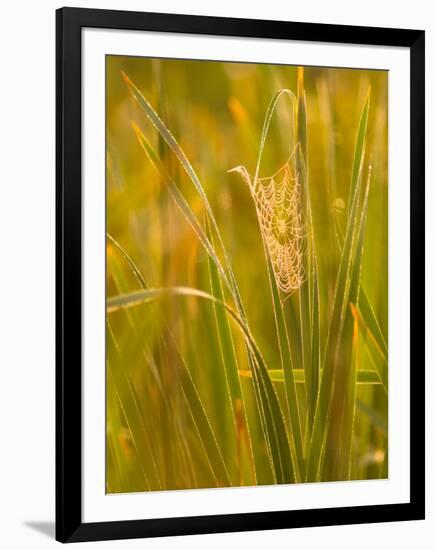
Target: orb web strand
282,221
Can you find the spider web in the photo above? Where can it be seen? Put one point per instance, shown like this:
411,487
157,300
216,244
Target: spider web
279,206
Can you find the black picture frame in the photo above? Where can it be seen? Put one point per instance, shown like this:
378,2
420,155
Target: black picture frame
69,525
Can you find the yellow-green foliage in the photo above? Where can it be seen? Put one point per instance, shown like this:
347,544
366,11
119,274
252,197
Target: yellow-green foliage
247,261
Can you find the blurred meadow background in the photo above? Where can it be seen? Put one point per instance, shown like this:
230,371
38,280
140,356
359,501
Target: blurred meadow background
247,274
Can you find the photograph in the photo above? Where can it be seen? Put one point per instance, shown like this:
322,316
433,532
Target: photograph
217,290
246,274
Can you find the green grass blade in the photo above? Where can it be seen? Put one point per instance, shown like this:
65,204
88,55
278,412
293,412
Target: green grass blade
309,309
281,328
196,408
301,118
339,438
114,432
369,318
364,377
170,140
340,307
316,340
230,363
377,354
276,429
306,290
287,366
207,245
268,117
203,426
181,202
136,423
129,261
183,205
359,149
366,310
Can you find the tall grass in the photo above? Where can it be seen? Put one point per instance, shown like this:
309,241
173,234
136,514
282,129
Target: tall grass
236,356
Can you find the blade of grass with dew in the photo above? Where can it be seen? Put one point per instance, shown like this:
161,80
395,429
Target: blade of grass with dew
197,410
162,448
365,308
281,328
309,308
159,125
170,140
337,444
129,261
339,437
306,290
121,378
368,316
229,360
180,201
359,150
208,246
367,311
281,453
316,340
287,367
340,305
168,137
274,421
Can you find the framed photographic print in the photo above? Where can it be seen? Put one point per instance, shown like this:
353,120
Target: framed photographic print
240,275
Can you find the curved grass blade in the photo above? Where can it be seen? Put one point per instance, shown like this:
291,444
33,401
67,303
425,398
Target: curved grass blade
281,328
180,200
231,281
170,140
129,261
280,450
196,409
210,250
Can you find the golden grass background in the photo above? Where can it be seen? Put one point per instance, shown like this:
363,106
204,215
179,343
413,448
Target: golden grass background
175,419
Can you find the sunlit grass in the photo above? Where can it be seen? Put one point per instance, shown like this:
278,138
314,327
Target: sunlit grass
246,329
